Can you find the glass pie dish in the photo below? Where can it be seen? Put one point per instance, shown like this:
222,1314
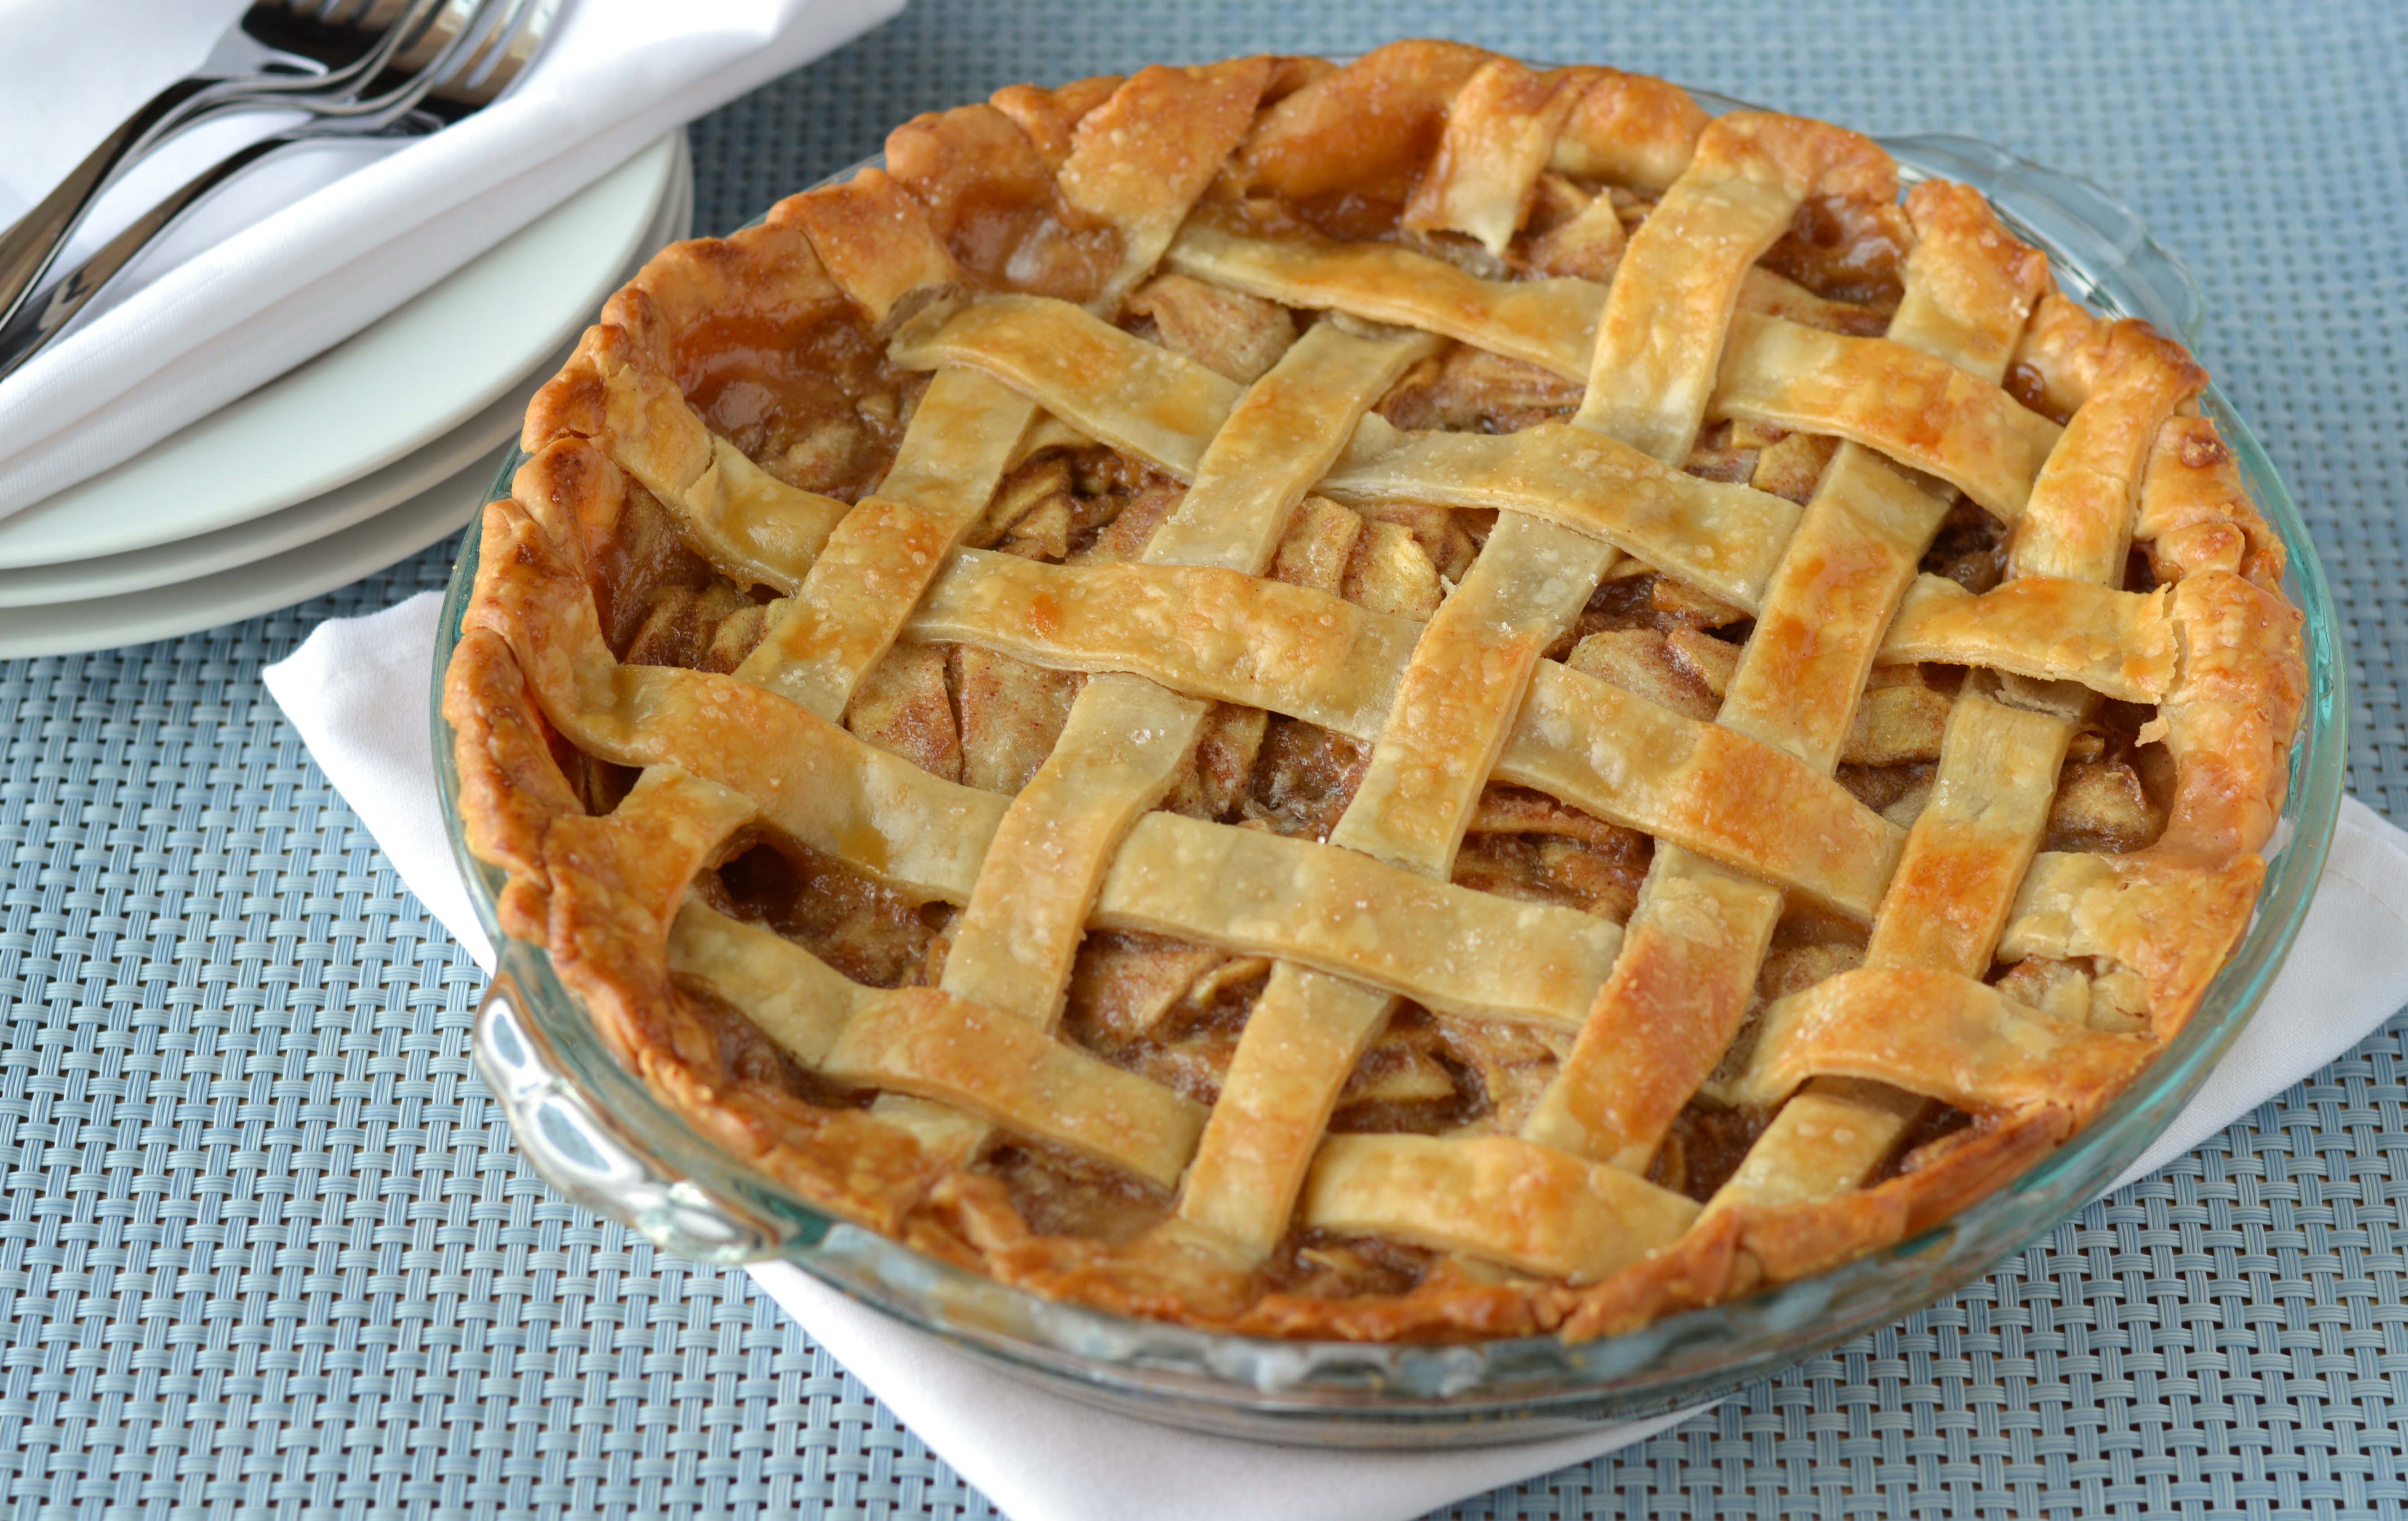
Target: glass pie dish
594,1131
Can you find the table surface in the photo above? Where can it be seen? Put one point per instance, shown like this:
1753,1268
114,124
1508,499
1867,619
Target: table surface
265,1248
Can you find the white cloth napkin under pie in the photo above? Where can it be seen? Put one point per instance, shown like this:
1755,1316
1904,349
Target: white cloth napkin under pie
320,241
356,691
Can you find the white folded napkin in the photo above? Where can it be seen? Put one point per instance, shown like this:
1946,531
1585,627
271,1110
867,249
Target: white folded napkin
320,241
355,690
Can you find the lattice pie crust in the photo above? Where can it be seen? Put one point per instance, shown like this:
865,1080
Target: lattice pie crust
1416,700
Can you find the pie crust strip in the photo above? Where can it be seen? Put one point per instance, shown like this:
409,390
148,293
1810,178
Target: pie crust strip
754,527
1691,951
1840,584
1172,875
2118,644
1907,403
1455,949
1202,630
1698,786
1676,995
807,778
1544,321
885,553
1112,386
1630,129
874,238
1971,847
1494,1196
2116,907
1138,160
1725,538
1550,322
1915,408
1454,703
1660,339
1694,919
1303,653
799,1000
933,1046
2229,719
2091,478
1947,905
1457,697
678,819
1127,737
1934,1032
1500,130
1302,1040
1693,945
2196,514
1118,753
999,1066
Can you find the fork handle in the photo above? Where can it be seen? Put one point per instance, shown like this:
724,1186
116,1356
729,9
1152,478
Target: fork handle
35,323
34,241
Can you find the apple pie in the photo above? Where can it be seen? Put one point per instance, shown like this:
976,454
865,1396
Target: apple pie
1425,700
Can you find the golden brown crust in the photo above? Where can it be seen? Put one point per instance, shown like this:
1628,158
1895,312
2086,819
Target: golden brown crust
2230,714
1783,1243
1629,129
679,694
1048,117
1141,158
510,788
2194,514
1365,131
876,240
1500,129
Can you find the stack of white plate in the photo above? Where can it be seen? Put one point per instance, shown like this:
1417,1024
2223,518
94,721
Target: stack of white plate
361,457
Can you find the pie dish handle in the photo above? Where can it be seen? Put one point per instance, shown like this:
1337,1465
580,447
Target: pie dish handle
582,1151
2099,247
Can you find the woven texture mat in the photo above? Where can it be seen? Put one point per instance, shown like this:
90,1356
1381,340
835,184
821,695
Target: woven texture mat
265,1249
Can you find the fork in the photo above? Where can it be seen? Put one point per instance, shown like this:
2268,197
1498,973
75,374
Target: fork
265,58
492,44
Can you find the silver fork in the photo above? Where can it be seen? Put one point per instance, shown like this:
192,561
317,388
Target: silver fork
266,58
471,68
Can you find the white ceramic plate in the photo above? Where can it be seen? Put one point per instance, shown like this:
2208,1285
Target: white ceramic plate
412,376
248,590
261,538
203,554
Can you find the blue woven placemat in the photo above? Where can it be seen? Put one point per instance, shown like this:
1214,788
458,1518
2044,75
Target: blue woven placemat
265,1248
